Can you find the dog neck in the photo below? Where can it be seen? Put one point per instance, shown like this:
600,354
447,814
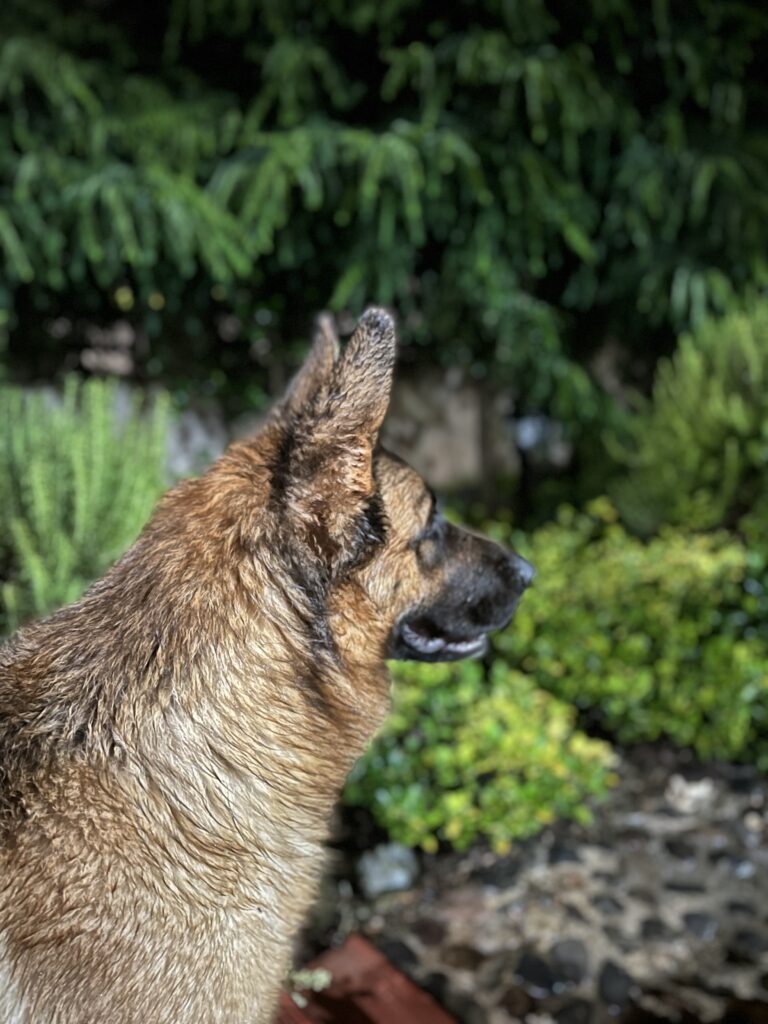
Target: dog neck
219,722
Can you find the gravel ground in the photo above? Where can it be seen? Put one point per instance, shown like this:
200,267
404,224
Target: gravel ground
657,911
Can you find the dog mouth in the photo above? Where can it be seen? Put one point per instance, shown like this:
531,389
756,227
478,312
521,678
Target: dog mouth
411,643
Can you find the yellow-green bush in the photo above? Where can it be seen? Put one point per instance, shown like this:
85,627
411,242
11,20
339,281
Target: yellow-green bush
467,754
697,453
77,483
664,639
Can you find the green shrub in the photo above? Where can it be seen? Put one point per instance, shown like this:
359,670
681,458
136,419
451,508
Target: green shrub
77,483
527,182
467,754
698,451
665,639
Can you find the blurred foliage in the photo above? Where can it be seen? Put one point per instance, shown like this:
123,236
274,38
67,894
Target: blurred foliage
524,181
661,639
697,453
77,483
753,526
467,754
698,449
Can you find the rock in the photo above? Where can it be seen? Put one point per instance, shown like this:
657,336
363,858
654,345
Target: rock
570,961
436,984
561,853
747,946
682,885
574,913
463,957
614,985
607,904
516,1002
741,778
502,873
398,954
617,938
576,1011
744,869
690,796
609,877
754,822
642,894
739,907
535,973
738,866
702,925
430,932
653,928
681,849
495,970
465,1008
387,868
641,824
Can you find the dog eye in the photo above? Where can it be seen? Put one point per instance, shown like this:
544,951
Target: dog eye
432,529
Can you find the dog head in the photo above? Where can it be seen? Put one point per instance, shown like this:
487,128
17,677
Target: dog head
362,529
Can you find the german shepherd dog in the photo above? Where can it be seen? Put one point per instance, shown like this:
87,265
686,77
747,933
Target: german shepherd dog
172,745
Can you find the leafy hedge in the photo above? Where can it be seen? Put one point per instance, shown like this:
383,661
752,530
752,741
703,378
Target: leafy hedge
466,755
697,453
524,181
666,638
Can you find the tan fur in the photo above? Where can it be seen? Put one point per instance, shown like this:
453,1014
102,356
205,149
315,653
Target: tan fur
171,746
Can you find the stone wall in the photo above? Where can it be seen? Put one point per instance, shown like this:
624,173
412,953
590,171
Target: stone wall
437,422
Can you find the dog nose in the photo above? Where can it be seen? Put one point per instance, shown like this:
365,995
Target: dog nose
523,570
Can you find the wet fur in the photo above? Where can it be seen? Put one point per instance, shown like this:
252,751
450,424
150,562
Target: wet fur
171,746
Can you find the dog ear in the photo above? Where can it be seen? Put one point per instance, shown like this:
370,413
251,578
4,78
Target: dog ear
317,368
330,486
361,383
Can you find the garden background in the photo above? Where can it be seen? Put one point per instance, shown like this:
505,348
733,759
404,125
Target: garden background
567,206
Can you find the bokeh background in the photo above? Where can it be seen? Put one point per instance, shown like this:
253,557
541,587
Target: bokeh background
567,206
